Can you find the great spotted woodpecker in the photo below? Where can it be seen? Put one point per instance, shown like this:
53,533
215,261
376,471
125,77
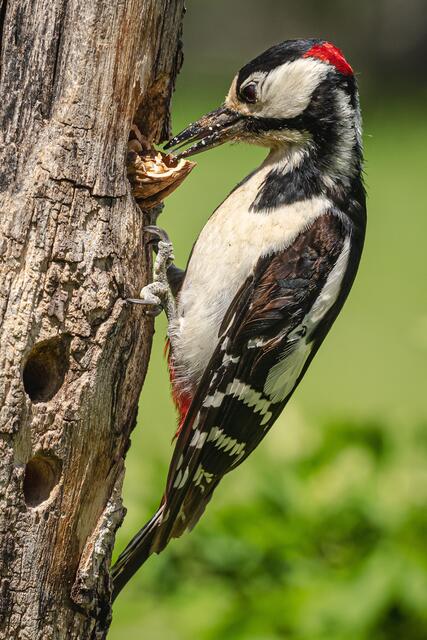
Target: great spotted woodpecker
267,276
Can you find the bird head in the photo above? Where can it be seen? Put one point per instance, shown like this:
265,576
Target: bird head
292,94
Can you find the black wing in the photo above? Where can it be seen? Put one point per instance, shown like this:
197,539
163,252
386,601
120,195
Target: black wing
231,411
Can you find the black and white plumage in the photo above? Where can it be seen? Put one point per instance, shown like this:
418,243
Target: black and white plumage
268,274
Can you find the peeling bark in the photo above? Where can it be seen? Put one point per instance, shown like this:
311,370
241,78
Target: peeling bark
75,75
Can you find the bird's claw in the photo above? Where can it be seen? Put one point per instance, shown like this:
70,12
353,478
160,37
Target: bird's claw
152,310
161,245
156,234
153,296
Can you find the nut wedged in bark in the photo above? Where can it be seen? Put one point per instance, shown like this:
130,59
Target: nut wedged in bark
154,175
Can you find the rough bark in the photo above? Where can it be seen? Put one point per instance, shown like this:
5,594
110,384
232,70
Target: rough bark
75,75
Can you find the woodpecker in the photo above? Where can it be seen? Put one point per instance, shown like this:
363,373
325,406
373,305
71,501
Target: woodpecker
267,276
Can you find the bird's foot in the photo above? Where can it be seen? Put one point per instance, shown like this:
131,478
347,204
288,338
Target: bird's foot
158,295
154,297
164,249
154,213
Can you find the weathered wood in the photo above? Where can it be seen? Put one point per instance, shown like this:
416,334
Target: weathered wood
75,75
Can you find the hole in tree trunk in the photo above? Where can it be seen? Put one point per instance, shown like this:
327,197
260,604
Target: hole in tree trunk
42,474
45,368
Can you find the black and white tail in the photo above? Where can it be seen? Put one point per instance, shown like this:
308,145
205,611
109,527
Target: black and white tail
135,554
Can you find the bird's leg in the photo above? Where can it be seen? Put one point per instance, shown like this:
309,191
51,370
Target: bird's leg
158,295
153,214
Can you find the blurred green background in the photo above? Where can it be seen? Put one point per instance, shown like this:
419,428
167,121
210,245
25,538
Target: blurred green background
322,533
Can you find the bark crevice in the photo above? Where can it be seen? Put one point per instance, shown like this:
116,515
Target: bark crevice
3,9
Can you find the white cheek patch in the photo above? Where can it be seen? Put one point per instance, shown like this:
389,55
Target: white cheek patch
286,91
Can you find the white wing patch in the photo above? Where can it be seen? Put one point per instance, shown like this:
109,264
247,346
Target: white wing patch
215,400
202,478
283,376
255,400
198,440
181,479
244,392
255,343
230,445
227,360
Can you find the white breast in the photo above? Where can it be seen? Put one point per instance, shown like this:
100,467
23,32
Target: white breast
225,254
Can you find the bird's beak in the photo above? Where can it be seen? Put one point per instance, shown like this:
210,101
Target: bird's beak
210,131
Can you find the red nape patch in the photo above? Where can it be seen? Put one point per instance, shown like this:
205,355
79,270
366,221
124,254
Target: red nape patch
182,399
329,53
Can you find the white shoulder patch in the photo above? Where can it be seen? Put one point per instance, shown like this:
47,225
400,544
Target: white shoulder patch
283,376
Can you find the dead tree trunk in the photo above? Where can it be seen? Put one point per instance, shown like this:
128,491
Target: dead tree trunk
75,75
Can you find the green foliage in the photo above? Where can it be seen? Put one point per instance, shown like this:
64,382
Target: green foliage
321,534
317,542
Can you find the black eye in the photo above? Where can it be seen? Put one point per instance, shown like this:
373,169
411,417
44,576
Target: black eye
248,93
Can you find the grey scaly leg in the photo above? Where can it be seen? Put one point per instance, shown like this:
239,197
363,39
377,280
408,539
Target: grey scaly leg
158,295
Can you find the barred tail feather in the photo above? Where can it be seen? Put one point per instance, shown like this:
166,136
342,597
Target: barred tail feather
136,553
